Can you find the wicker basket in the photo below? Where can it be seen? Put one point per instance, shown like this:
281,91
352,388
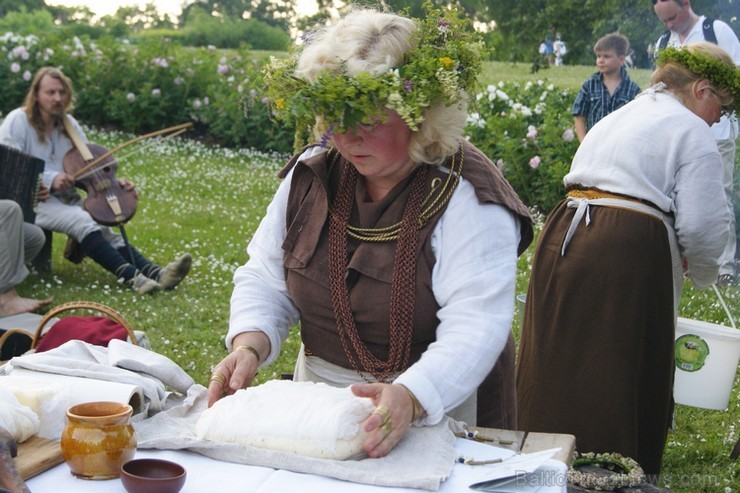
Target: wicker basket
83,305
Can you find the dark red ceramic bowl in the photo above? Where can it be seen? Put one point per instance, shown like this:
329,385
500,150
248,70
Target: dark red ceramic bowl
152,476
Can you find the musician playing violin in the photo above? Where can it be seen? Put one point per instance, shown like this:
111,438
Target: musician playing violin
37,128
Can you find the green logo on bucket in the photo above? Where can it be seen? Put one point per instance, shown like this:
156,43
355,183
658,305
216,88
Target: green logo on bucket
691,352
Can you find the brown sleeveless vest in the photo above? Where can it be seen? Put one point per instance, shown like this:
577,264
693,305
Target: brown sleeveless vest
370,268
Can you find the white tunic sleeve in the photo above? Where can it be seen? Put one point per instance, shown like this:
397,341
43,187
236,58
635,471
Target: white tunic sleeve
474,282
260,300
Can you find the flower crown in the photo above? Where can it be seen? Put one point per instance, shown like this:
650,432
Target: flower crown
442,67
706,67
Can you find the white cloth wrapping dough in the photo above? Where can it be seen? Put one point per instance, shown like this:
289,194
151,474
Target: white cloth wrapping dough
48,402
19,420
304,418
422,459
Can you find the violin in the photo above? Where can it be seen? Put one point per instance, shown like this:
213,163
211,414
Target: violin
107,201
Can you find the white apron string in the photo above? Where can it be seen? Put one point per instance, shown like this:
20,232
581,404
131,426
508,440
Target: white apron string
582,205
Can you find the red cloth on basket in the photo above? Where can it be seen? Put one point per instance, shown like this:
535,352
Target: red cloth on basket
94,330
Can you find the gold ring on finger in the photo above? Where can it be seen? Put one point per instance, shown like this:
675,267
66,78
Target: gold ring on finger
387,426
383,412
217,377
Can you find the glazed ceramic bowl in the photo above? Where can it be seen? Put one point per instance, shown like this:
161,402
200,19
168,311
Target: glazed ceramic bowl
152,476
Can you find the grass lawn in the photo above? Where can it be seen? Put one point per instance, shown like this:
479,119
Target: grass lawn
208,201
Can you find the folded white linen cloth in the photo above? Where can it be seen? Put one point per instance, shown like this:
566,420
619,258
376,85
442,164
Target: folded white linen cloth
120,362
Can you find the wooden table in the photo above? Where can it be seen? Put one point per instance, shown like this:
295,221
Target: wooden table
526,442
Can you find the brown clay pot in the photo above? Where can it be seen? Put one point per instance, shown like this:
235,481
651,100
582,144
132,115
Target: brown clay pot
97,439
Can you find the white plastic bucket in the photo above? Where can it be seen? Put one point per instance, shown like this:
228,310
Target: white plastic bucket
706,357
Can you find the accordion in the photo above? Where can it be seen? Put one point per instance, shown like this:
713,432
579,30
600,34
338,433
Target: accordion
20,179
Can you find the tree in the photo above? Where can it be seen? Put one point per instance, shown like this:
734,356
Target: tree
139,18
276,13
521,26
7,6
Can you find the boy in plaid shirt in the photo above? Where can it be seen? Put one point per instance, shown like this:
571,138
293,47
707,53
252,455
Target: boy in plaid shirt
606,90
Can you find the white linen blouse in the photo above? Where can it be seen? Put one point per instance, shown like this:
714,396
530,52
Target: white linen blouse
656,149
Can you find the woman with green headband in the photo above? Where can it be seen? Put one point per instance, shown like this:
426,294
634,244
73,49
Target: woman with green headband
394,244
645,209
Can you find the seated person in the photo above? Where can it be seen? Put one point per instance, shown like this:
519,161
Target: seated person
37,128
20,242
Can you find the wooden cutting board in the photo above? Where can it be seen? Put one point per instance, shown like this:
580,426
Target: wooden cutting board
36,455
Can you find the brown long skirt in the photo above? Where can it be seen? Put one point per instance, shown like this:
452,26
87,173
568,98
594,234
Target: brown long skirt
496,400
596,350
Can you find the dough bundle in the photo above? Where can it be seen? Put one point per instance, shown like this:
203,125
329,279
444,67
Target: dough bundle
20,421
306,418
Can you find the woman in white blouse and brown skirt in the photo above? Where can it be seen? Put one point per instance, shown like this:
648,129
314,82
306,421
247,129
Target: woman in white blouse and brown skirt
645,208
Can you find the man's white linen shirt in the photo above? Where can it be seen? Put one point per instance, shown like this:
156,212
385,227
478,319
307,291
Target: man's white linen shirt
473,281
727,40
656,149
16,132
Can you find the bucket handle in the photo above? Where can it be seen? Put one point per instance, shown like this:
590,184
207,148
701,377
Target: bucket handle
724,305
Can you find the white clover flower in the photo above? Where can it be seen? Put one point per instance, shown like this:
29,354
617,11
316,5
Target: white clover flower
568,135
26,75
131,97
534,163
156,92
15,67
528,85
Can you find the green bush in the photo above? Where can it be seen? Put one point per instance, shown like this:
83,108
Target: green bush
138,88
149,86
203,29
527,131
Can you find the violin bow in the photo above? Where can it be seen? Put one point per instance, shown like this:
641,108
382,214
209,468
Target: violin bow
149,144
182,127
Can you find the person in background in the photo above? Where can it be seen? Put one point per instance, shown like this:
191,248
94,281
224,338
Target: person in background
683,28
20,242
608,89
547,49
560,49
395,247
37,128
645,208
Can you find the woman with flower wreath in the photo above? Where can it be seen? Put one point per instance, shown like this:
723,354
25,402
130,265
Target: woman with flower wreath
645,208
395,245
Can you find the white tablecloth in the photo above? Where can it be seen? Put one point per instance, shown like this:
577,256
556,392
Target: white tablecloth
205,474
